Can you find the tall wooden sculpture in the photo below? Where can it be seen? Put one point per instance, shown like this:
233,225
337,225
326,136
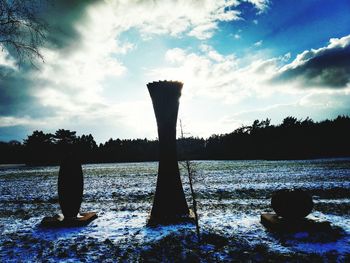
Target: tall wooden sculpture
169,204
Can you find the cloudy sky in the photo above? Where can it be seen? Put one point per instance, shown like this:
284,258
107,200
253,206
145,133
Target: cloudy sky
239,60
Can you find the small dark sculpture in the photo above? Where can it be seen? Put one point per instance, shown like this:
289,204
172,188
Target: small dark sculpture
70,196
70,186
292,204
291,207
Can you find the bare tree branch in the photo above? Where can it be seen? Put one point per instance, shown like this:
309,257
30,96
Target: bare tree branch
191,171
22,32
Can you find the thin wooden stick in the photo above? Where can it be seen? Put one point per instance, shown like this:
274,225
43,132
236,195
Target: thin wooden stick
190,172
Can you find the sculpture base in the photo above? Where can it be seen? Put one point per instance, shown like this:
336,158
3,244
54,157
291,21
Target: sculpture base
59,221
163,221
279,224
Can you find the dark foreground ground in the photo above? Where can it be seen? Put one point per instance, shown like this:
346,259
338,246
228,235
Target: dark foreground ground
231,196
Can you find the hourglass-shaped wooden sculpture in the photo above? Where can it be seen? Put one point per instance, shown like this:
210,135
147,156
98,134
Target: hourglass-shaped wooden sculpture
169,204
70,196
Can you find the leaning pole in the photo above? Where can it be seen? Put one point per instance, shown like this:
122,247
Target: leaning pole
169,204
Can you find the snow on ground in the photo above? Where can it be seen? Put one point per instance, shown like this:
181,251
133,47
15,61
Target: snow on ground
231,196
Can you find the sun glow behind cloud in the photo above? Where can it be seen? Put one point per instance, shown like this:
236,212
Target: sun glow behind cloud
72,81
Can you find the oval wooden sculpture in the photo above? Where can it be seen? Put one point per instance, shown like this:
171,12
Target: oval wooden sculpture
70,186
292,204
169,204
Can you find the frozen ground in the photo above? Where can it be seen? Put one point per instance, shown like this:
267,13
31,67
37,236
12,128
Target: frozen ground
231,196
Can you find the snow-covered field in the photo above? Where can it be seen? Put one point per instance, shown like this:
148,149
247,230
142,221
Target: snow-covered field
231,196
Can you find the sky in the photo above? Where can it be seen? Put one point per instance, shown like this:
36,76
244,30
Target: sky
239,60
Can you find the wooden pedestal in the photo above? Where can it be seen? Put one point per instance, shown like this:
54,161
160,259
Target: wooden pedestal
279,224
59,221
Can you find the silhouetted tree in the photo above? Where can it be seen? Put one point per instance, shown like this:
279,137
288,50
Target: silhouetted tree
292,139
12,152
290,122
86,148
39,148
64,137
66,142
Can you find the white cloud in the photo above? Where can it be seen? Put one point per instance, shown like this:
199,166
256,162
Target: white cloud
261,5
5,58
9,121
203,31
71,80
258,43
210,74
192,17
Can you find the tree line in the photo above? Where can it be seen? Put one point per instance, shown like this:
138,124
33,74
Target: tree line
292,139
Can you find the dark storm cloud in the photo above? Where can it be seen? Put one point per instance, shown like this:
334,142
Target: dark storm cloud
17,95
327,67
61,17
14,92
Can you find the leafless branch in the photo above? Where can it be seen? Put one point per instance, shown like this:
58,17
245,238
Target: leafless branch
22,32
191,171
